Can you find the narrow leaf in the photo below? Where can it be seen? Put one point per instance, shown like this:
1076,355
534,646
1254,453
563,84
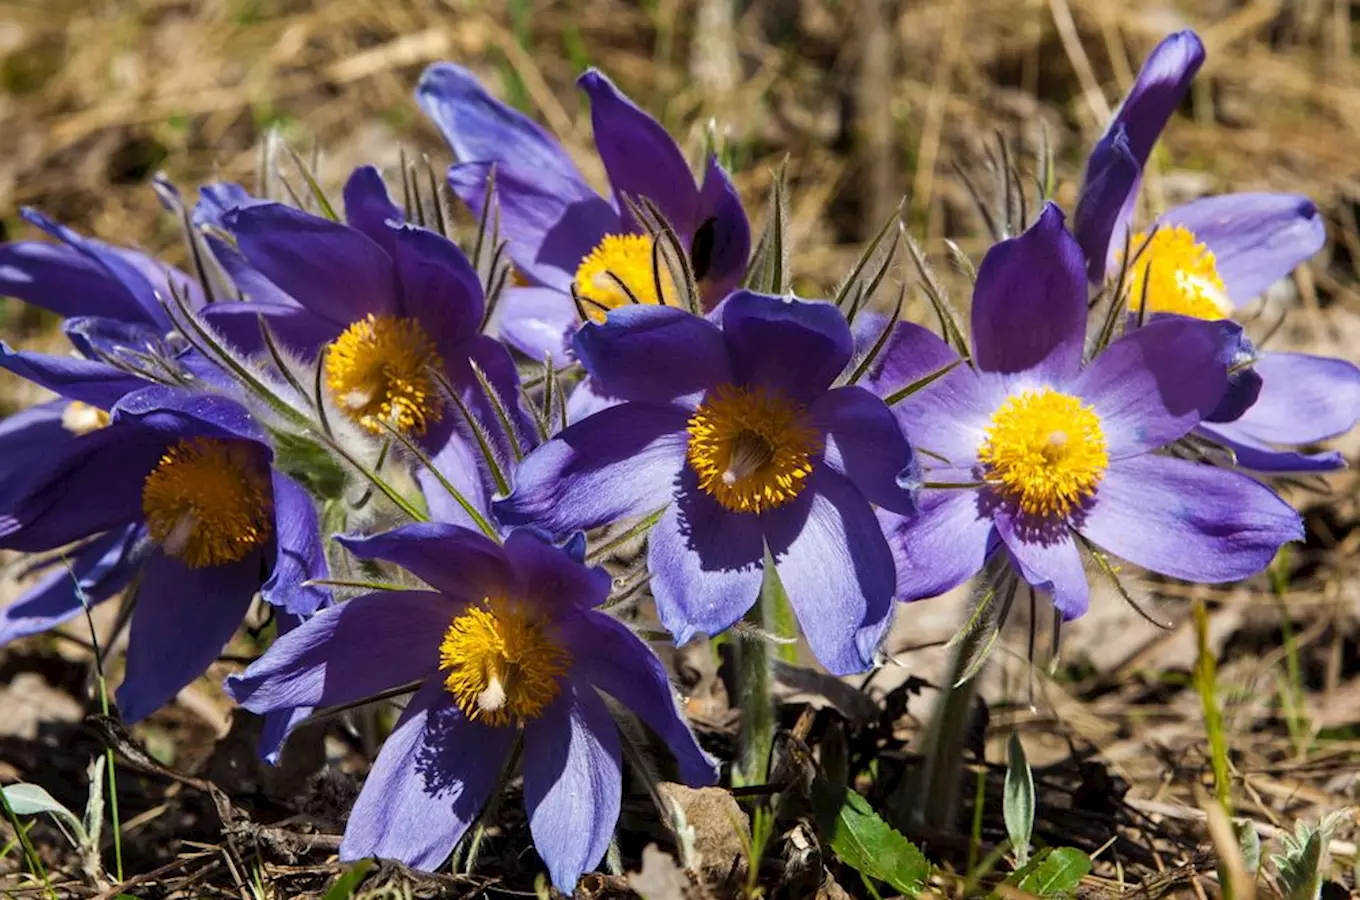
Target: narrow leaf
1018,798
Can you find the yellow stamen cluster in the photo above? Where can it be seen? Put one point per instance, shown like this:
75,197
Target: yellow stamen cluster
619,271
1179,274
1045,451
82,418
502,662
378,371
751,448
208,502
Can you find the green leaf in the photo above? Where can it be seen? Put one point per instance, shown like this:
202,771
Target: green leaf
1305,859
1018,799
31,800
344,886
1053,874
866,843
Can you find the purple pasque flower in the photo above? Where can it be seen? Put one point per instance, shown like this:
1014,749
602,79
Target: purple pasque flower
176,488
731,430
1209,258
381,306
560,232
1044,452
506,642
81,278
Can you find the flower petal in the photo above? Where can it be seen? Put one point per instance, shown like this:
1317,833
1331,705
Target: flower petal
586,400
66,282
1256,239
1303,399
1155,384
439,287
547,574
460,464
479,128
89,484
296,328
1254,456
948,417
1109,195
457,561
1187,520
537,321
864,443
573,782
608,655
369,209
280,723
706,563
216,199
910,354
299,556
549,226
795,346
641,159
837,570
721,244
942,546
1048,558
125,267
183,619
1116,164
549,215
345,653
333,270
620,462
432,777
653,354
95,572
28,437
1161,85
176,412
95,383
1029,303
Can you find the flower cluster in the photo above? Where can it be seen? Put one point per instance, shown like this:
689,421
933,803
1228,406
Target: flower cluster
400,448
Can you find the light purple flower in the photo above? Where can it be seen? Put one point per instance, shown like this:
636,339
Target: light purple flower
731,431
176,489
379,305
1048,452
506,642
1209,258
556,224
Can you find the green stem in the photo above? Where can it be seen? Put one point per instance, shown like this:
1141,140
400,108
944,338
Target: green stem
934,798
756,701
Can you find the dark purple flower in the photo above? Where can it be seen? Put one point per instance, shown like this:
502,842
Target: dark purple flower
1209,258
1115,168
559,230
175,487
1043,447
383,304
731,430
506,642
84,278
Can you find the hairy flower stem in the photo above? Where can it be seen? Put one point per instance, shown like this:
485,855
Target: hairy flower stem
754,655
933,798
